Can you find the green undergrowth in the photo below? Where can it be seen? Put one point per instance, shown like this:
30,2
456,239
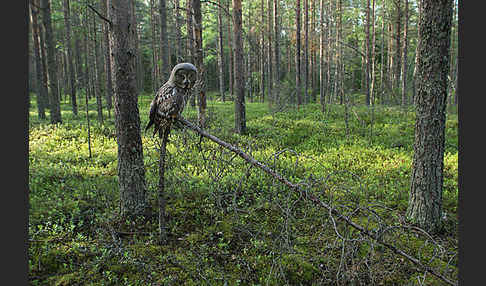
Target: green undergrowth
228,223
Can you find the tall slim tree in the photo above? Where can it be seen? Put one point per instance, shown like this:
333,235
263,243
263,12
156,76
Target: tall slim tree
276,53
262,52
72,77
322,68
297,55
52,63
41,86
220,51
269,52
198,59
131,171
164,42
306,51
425,200
108,81
367,58
404,56
240,113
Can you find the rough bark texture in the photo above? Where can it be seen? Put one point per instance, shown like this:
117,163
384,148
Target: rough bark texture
425,201
97,72
72,78
269,53
131,172
306,51
52,63
262,55
240,115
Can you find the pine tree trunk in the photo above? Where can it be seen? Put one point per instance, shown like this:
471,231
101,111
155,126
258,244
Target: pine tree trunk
164,42
179,56
276,54
322,89
220,52
201,71
41,85
306,51
77,52
262,55
131,171
96,74
373,44
398,46
52,63
72,77
297,55
270,53
109,83
367,53
240,115
231,61
425,201
404,56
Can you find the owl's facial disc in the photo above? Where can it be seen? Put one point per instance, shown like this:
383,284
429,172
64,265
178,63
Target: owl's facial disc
185,79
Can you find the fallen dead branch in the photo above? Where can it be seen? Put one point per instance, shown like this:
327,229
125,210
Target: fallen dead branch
375,235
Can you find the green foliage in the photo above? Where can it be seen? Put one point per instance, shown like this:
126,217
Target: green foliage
238,227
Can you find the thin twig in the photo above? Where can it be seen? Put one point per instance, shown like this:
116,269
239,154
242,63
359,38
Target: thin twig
100,15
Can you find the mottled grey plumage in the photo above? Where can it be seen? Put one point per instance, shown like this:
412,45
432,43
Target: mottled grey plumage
171,98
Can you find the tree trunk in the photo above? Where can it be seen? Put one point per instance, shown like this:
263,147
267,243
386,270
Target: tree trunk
367,53
97,73
322,89
164,42
52,63
138,61
72,76
382,66
276,54
41,85
404,57
201,71
220,51
109,83
297,55
425,201
77,51
262,55
270,53
131,171
306,51
231,61
398,46
179,50
373,44
240,115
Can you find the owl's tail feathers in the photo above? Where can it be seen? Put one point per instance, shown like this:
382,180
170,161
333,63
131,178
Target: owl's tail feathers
150,123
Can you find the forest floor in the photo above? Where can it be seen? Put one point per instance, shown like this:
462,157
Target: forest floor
229,223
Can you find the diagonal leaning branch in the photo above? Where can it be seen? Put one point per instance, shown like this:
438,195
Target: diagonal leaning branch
314,199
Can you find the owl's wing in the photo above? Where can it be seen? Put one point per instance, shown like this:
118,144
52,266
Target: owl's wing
160,103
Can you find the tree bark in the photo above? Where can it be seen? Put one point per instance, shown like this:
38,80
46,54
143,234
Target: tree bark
367,58
276,54
109,83
164,42
72,77
201,71
262,55
41,85
52,63
297,55
240,115
270,53
220,51
322,71
404,56
97,73
131,171
306,51
231,61
425,200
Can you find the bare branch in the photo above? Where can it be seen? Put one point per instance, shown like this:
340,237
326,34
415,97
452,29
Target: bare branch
100,15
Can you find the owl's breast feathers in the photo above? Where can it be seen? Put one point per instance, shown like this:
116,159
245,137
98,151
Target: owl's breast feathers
168,102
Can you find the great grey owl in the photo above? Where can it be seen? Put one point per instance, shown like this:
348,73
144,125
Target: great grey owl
171,98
